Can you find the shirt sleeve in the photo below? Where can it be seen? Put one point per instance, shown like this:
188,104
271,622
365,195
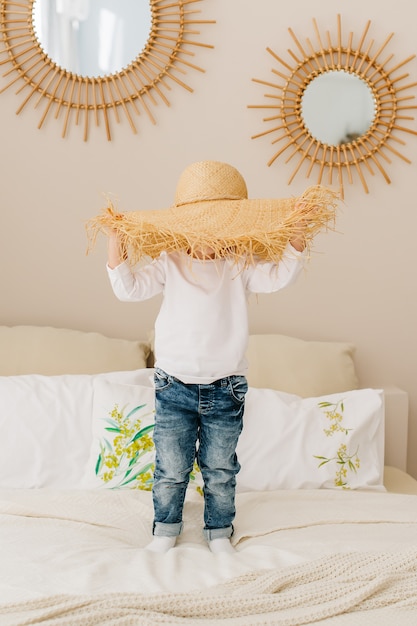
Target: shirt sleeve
267,277
133,285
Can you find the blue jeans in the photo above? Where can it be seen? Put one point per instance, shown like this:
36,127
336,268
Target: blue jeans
211,415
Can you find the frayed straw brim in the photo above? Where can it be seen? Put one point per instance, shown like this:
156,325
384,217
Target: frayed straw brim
253,229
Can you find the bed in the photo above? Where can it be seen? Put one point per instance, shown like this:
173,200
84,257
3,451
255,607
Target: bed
326,525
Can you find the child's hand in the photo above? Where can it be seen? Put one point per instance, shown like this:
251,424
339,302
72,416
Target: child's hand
306,211
116,251
298,240
306,215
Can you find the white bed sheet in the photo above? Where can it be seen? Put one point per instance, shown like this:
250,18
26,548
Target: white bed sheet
63,550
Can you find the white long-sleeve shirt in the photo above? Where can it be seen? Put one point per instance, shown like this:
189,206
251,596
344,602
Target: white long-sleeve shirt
201,331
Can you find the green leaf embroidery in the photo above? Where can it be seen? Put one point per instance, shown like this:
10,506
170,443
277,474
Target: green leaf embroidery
99,464
142,471
143,431
135,410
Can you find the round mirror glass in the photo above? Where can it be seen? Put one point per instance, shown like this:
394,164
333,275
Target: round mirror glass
92,37
337,107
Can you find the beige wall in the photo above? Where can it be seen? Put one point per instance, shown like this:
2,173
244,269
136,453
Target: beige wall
361,283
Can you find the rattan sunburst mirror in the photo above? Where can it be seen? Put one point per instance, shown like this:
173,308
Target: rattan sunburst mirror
136,88
380,88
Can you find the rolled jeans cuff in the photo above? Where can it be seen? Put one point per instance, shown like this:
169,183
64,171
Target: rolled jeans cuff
166,530
218,533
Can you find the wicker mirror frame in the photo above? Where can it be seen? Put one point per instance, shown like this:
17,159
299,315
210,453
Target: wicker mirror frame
392,99
137,88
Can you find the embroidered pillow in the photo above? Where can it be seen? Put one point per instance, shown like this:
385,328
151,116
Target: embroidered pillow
332,441
122,454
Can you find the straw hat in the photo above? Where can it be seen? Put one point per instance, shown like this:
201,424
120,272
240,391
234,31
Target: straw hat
212,209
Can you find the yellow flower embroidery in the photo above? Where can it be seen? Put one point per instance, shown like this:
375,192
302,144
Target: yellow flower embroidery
345,462
127,460
121,461
196,470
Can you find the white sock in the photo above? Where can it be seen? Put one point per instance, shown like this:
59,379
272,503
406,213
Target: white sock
161,544
221,544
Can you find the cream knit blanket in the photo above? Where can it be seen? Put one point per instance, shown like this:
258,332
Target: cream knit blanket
380,584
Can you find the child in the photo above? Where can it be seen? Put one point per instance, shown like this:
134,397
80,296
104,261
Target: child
201,335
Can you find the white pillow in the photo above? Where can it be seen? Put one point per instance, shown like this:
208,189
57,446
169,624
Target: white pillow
122,454
55,351
51,428
332,441
45,425
304,368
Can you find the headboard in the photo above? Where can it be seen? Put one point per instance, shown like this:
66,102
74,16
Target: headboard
396,427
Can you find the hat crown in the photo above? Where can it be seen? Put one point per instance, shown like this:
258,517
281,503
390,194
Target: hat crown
210,180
